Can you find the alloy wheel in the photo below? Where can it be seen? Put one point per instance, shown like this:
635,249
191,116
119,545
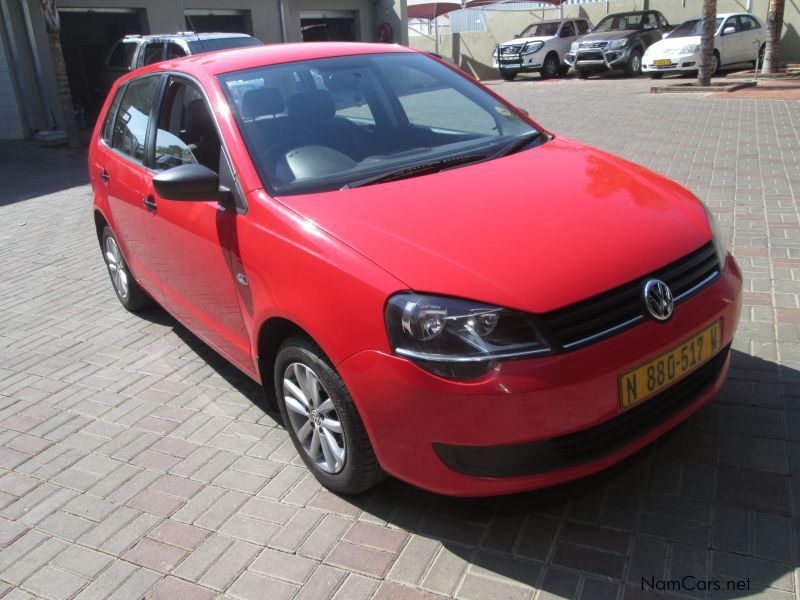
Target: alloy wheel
313,417
636,63
116,267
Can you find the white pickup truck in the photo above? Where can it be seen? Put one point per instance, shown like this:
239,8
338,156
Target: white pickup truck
540,47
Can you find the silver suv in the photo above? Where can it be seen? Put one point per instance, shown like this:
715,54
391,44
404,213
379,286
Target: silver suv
134,51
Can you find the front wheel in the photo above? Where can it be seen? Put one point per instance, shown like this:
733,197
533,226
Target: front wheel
549,67
634,66
508,75
322,419
130,294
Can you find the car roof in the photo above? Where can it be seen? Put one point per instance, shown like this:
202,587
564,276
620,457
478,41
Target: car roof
237,59
184,35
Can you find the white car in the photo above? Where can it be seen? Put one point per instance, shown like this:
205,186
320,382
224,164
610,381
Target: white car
540,47
735,37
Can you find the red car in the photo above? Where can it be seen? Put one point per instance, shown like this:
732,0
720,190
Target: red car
427,283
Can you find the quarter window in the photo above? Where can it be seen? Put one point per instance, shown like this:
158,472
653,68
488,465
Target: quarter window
130,125
748,23
186,132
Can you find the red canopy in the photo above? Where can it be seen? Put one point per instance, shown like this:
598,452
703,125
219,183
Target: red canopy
429,9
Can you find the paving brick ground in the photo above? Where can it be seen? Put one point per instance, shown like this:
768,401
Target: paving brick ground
133,461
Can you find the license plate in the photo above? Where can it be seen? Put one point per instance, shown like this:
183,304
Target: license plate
662,62
650,378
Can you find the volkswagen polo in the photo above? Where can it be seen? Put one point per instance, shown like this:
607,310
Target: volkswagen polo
427,283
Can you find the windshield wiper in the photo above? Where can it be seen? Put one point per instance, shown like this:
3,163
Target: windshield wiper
415,171
517,144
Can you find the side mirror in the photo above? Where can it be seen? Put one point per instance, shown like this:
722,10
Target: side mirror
190,182
516,35
729,30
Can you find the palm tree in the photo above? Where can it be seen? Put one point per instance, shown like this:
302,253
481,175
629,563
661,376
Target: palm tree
60,68
705,67
772,53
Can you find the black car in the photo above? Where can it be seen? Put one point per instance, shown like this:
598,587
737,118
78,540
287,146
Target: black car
617,43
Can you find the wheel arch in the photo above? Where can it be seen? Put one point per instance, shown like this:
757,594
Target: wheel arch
100,222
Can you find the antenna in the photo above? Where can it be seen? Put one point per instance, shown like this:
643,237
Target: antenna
189,18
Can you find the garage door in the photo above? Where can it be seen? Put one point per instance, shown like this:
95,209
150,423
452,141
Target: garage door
328,25
223,21
87,35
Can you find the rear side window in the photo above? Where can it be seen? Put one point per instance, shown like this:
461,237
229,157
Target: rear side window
122,54
108,125
130,125
152,53
747,23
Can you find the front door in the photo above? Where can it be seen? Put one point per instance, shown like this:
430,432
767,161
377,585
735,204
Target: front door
191,240
122,172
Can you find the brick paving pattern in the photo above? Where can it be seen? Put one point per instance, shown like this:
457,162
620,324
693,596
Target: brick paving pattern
135,462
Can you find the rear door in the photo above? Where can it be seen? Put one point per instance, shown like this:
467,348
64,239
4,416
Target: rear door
191,240
120,166
751,36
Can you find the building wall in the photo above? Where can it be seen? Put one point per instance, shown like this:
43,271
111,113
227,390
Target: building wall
10,114
472,51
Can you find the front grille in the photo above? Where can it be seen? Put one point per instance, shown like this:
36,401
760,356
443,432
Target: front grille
590,56
609,313
593,45
601,440
510,50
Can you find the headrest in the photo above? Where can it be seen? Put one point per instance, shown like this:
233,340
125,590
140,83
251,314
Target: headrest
262,101
313,106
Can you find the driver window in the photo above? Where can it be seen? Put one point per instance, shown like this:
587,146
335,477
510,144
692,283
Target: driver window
186,132
650,21
730,24
568,30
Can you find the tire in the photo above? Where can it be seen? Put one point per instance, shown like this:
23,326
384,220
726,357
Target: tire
508,75
344,461
715,63
582,73
130,294
549,66
633,68
656,75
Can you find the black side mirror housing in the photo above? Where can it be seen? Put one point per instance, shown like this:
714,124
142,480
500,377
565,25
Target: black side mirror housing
190,182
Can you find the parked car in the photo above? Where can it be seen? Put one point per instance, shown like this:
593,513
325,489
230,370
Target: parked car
735,38
618,42
540,47
134,51
354,226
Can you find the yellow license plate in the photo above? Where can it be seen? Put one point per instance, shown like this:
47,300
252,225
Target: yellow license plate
650,378
662,62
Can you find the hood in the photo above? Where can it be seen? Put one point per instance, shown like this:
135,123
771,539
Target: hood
534,231
525,40
601,36
672,43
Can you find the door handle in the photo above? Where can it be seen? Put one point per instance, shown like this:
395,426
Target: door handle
150,204
104,175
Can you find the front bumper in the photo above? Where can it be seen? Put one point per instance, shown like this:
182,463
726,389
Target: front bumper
598,59
519,63
677,63
419,424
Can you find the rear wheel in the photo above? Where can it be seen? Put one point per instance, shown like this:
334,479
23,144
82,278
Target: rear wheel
508,75
715,62
322,419
130,294
549,67
634,66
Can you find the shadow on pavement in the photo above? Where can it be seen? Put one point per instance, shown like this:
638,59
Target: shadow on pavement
29,170
709,504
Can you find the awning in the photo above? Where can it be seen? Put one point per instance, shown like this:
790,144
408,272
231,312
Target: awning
425,9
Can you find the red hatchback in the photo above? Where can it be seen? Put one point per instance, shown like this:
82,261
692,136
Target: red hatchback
426,282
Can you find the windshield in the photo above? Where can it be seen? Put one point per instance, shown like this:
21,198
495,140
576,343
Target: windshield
620,22
691,28
200,45
321,125
540,29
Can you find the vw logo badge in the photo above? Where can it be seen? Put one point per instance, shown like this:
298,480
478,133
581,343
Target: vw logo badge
658,299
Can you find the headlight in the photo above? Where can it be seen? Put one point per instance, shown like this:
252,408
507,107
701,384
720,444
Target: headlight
618,43
532,47
719,244
690,49
458,339
573,47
